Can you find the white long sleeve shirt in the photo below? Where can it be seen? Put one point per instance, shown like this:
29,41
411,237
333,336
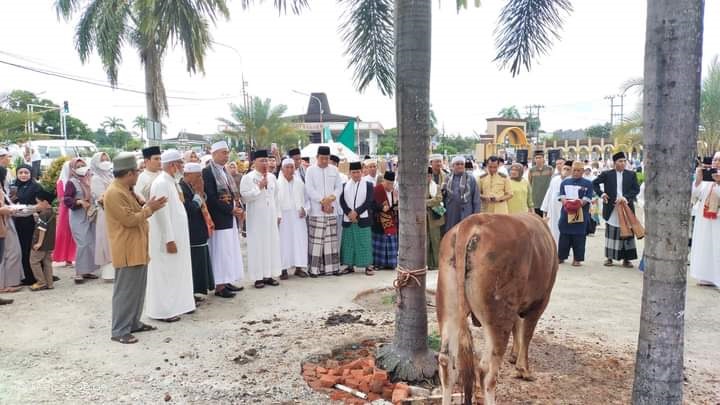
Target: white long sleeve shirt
320,183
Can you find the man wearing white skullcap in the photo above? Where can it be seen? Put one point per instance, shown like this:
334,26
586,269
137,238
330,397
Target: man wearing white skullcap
169,280
223,202
462,197
370,169
293,227
200,225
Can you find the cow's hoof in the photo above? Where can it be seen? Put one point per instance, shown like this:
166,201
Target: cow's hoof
512,358
524,375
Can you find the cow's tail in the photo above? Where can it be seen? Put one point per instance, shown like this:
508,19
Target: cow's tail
466,363
464,235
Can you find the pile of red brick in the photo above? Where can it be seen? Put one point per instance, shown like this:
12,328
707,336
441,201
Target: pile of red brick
360,374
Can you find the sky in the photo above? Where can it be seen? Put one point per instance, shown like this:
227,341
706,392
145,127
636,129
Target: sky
601,47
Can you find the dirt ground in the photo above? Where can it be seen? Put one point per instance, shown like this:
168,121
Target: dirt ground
55,346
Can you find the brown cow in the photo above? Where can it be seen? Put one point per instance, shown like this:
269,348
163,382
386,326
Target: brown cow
500,269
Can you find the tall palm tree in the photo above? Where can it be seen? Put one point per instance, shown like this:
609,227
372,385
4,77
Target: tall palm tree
140,123
150,26
509,112
710,108
671,99
113,124
261,123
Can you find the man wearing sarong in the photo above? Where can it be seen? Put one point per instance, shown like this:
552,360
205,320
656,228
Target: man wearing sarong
621,187
323,186
223,203
193,195
385,226
575,196
355,200
260,193
294,207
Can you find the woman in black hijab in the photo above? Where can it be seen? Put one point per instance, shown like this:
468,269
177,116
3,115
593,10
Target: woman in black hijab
27,190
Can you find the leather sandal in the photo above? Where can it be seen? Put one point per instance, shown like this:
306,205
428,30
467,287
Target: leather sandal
144,328
608,263
369,272
126,340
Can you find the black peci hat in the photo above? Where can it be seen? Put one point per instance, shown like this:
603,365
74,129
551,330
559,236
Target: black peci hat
355,166
323,151
389,176
151,151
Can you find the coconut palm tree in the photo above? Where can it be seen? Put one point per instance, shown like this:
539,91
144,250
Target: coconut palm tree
509,112
150,26
671,99
140,123
113,124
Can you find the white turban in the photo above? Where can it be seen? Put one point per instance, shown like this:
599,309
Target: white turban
4,152
458,159
221,145
193,168
369,162
435,156
170,155
287,161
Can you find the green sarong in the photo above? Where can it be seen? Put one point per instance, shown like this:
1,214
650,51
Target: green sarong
356,249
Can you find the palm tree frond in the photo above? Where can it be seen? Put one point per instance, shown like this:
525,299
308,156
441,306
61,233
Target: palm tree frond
460,4
296,6
65,8
106,23
526,30
368,32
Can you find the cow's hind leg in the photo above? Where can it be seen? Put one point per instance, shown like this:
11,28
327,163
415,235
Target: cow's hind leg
515,342
496,341
448,362
526,331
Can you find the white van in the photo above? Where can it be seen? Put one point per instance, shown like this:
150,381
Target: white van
53,149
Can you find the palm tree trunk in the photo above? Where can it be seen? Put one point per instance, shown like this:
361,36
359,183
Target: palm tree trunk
155,99
408,357
673,53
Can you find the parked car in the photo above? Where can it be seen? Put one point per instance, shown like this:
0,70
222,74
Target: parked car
53,149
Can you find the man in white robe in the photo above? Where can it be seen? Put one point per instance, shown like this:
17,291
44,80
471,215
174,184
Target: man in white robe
705,249
323,186
258,189
335,161
370,169
169,280
293,227
551,205
153,167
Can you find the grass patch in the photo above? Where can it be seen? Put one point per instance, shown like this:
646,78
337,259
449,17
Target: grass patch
433,341
390,299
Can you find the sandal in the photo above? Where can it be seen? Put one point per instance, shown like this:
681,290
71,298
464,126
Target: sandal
170,320
144,328
259,284
576,263
89,276
369,272
79,280
37,287
608,263
627,264
126,340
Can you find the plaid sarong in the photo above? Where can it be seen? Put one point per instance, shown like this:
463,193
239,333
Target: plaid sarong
356,249
617,248
324,249
385,250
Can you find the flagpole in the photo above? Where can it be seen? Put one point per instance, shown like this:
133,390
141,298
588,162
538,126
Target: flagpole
357,147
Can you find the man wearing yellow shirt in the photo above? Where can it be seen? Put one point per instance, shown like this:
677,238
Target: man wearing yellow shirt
495,188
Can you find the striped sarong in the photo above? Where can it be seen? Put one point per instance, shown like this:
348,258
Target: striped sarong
385,250
324,249
356,247
617,248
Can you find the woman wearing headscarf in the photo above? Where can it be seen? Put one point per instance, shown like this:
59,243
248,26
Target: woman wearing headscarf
232,169
78,199
102,176
64,242
26,189
190,156
10,258
521,200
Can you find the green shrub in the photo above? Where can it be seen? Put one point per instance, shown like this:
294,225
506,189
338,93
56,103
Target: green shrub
640,177
434,340
51,175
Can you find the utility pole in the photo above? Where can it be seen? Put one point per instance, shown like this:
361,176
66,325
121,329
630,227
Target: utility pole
616,110
533,111
247,103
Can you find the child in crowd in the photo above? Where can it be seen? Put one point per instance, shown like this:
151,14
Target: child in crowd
43,244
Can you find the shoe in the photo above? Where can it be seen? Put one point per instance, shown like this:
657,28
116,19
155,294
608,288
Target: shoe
38,287
56,278
369,272
336,273
224,293
608,263
79,280
627,264
90,276
284,275
313,275
198,299
260,284
3,301
233,288
300,273
271,281
348,270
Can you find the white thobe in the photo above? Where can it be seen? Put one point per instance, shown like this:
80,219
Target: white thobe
320,183
293,227
705,250
261,221
169,278
144,181
370,179
552,206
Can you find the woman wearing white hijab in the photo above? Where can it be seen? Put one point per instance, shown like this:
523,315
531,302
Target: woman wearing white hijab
102,176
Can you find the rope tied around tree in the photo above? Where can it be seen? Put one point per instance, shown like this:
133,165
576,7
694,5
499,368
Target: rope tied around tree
404,276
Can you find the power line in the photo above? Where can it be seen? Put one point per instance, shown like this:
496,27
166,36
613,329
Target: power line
95,83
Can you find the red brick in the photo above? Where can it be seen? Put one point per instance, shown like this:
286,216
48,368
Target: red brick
371,362
315,384
368,370
387,393
400,394
334,371
332,364
355,364
357,373
380,375
373,397
327,381
376,386
364,387
346,372
354,401
352,383
339,396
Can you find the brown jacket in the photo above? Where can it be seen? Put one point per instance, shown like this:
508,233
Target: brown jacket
127,227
